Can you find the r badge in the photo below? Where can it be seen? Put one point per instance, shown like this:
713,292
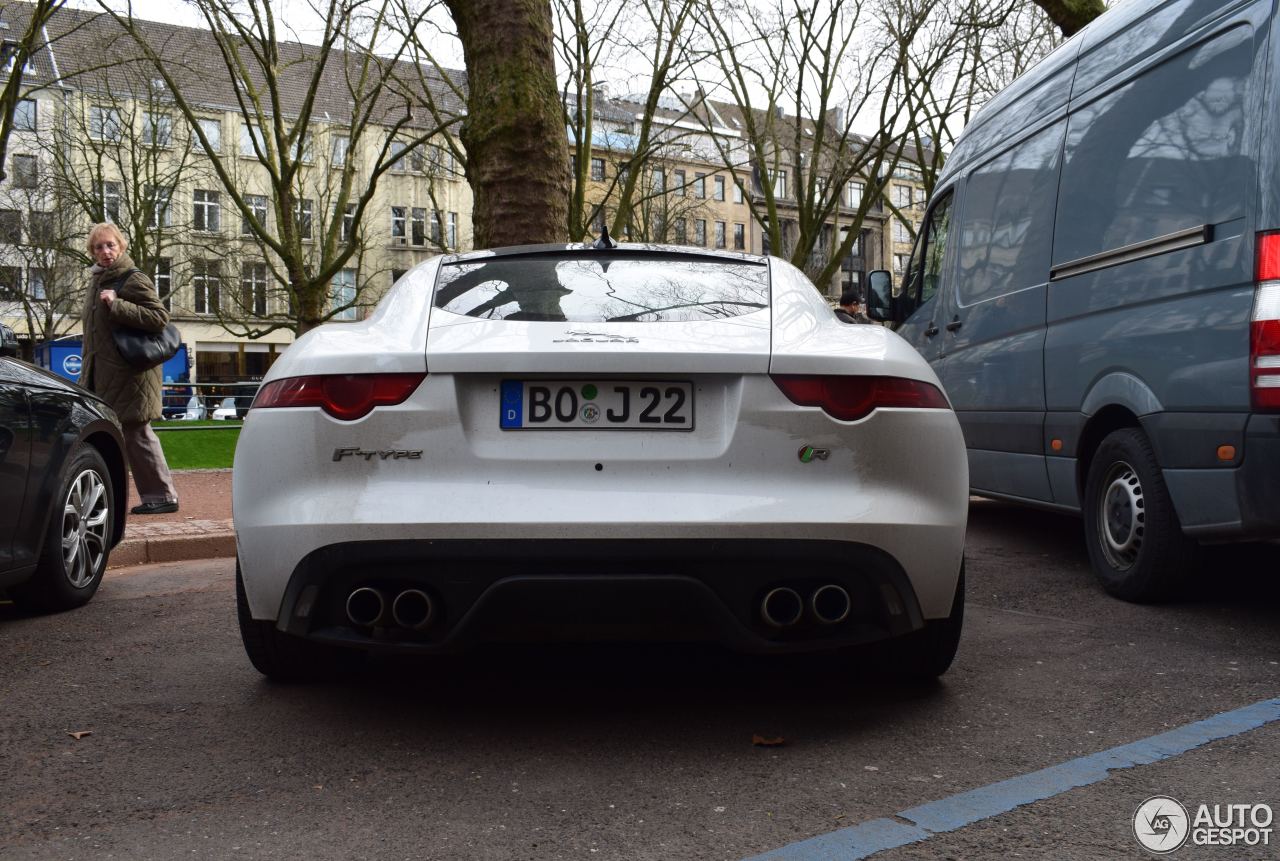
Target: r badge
808,453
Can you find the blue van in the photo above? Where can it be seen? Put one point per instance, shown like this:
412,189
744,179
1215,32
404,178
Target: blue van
1097,284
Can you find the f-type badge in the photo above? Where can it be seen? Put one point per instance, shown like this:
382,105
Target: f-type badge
379,454
808,453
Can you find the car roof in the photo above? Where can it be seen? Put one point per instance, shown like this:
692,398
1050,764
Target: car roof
627,251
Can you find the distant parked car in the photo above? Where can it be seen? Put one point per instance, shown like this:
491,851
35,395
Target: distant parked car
8,341
568,443
62,488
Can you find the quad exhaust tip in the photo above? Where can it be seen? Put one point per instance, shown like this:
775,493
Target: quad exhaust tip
365,606
413,609
831,604
782,607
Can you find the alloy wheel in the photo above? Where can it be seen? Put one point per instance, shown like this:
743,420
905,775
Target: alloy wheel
85,514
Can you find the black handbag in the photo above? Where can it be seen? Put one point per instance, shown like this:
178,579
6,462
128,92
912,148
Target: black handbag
145,350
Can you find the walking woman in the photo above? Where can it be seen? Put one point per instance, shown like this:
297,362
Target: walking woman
120,295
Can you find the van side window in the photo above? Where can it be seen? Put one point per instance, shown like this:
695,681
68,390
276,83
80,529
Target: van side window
1006,229
925,270
1164,153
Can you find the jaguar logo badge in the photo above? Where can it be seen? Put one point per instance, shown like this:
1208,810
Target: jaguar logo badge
575,337
808,453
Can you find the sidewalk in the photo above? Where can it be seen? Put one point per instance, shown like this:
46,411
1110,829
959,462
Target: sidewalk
199,529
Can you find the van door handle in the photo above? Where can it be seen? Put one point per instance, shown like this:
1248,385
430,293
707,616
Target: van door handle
932,330
954,325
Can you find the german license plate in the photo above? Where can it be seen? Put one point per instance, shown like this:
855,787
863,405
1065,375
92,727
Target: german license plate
596,405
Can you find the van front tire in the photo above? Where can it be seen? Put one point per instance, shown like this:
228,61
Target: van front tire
1135,541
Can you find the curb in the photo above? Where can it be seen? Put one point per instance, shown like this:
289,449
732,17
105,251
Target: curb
145,550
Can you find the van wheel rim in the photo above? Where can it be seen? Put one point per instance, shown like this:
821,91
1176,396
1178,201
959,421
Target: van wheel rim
85,515
1122,516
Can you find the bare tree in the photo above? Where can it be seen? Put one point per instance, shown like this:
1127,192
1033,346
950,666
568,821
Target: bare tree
517,156
17,55
1072,15
287,95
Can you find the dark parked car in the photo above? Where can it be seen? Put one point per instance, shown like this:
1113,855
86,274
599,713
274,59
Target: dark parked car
62,488
8,341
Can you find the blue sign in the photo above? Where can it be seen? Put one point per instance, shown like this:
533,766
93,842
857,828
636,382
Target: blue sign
71,365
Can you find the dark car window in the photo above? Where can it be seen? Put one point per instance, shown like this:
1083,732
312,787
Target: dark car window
602,289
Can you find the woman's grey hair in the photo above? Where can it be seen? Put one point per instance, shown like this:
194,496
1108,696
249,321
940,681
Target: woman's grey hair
106,228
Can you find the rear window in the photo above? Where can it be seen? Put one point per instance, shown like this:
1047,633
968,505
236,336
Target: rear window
599,289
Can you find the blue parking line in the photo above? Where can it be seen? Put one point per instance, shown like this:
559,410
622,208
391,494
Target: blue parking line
950,814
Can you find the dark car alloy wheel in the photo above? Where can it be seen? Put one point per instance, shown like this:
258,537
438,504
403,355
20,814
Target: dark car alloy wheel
85,528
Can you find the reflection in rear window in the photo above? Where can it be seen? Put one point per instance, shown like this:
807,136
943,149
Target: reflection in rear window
602,289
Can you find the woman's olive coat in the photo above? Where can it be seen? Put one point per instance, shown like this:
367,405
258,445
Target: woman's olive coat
133,394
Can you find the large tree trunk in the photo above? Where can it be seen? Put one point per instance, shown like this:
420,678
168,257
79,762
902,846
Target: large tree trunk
514,134
1072,15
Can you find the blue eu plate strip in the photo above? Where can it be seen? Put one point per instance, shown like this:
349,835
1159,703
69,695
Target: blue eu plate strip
512,404
917,824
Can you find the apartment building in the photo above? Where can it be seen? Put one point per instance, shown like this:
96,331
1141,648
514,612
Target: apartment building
99,136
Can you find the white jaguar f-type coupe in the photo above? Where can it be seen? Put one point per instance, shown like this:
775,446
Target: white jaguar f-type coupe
582,443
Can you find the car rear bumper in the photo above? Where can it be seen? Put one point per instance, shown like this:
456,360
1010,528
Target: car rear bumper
505,591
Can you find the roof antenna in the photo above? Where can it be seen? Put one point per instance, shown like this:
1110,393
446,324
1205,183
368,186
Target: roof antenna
604,243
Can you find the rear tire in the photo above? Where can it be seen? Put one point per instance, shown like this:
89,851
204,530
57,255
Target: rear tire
928,653
279,656
1135,541
78,539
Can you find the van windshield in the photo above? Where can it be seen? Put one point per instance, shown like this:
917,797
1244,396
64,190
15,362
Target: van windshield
596,289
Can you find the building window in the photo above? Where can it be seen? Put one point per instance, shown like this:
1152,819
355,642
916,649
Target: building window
678,181
9,53
780,184
659,180
855,194
302,211
162,277
250,140
348,229
157,200
900,263
257,205
900,231
717,188
206,211
104,124
597,169
253,288
739,236
680,232
206,276
399,222
24,115
342,295
700,231
109,197
737,191
10,226
439,160
699,185
418,226
157,129
437,234
719,234
402,160
213,134
10,283
37,283
453,230
341,144
41,228
25,171
304,147
902,196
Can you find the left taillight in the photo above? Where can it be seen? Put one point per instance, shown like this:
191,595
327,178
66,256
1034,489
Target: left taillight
851,398
344,396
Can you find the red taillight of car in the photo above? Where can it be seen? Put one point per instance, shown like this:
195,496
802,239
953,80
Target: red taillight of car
1264,339
343,396
851,398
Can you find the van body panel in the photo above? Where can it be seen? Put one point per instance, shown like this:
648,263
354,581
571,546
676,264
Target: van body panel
1020,475
1062,481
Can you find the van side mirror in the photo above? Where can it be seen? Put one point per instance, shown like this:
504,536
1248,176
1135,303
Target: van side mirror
880,295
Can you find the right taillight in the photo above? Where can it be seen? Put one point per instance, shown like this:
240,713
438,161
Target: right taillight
1264,337
851,398
346,397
